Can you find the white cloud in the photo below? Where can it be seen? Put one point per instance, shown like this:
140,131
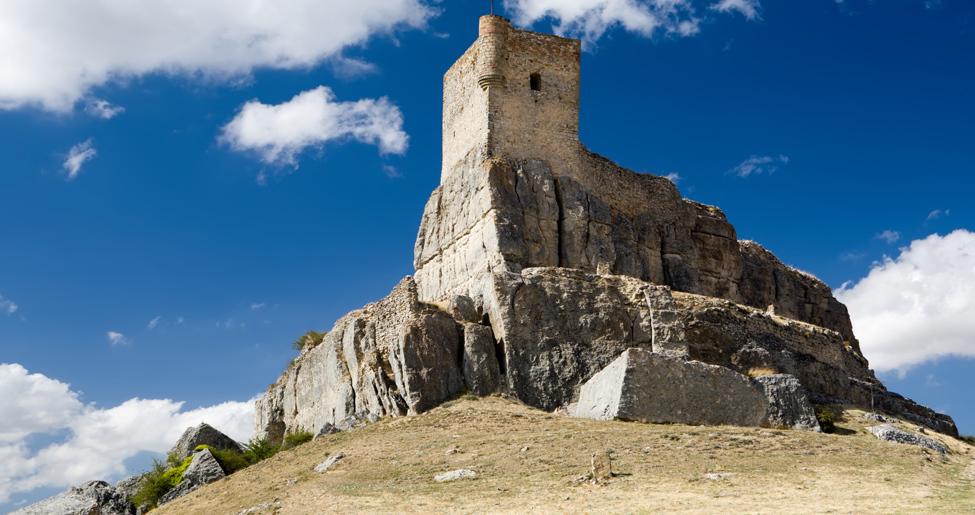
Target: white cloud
180,320
97,441
917,307
757,165
117,338
77,156
278,133
590,19
673,177
937,213
154,322
257,305
392,172
7,305
88,44
102,109
748,8
889,236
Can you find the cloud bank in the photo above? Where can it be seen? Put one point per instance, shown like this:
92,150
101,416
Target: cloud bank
278,133
53,53
591,19
917,307
97,441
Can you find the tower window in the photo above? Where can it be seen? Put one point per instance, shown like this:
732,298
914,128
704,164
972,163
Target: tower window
536,81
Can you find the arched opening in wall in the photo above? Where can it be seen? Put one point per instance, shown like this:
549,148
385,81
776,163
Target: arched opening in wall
536,81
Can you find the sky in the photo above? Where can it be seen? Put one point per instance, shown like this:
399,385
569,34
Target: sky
185,191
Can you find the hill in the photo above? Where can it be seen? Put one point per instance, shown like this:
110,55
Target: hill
527,460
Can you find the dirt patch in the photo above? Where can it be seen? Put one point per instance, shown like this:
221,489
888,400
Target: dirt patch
527,460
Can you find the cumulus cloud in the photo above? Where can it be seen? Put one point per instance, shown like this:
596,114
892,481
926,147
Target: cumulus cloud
118,338
97,441
77,156
748,8
278,133
102,109
52,61
889,236
590,19
7,305
759,164
917,307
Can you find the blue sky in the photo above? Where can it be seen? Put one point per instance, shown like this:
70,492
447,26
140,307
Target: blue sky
185,193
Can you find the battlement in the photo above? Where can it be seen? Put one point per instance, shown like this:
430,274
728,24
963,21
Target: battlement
513,94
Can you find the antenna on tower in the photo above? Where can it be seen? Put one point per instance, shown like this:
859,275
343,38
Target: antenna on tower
492,7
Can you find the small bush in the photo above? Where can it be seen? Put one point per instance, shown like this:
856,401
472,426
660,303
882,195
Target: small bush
159,480
309,339
259,449
296,439
826,418
969,438
230,461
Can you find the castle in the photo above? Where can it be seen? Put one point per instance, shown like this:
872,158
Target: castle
553,275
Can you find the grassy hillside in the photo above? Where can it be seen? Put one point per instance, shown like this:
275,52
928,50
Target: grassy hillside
532,461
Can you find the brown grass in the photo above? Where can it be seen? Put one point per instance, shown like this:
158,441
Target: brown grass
531,461
762,371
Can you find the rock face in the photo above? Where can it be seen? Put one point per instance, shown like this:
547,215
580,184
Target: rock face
93,497
391,358
643,386
203,434
554,261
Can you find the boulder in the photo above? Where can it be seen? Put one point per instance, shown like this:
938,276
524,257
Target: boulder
788,405
462,308
327,464
481,371
454,475
203,434
203,470
647,387
129,486
90,498
889,433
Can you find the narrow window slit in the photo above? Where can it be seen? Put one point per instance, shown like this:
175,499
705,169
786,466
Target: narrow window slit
536,81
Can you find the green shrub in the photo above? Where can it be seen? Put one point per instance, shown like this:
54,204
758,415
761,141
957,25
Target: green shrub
259,449
969,438
826,418
158,480
309,339
229,460
296,439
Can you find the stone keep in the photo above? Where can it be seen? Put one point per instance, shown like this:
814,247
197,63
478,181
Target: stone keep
539,263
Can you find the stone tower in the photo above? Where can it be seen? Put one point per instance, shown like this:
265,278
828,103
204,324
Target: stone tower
514,94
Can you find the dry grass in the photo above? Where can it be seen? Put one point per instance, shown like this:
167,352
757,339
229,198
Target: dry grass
762,371
530,461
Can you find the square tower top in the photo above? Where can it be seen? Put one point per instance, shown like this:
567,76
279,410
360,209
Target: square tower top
513,94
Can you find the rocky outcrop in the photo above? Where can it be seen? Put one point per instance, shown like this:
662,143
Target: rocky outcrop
203,434
395,357
203,470
500,216
93,497
643,386
889,433
546,333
